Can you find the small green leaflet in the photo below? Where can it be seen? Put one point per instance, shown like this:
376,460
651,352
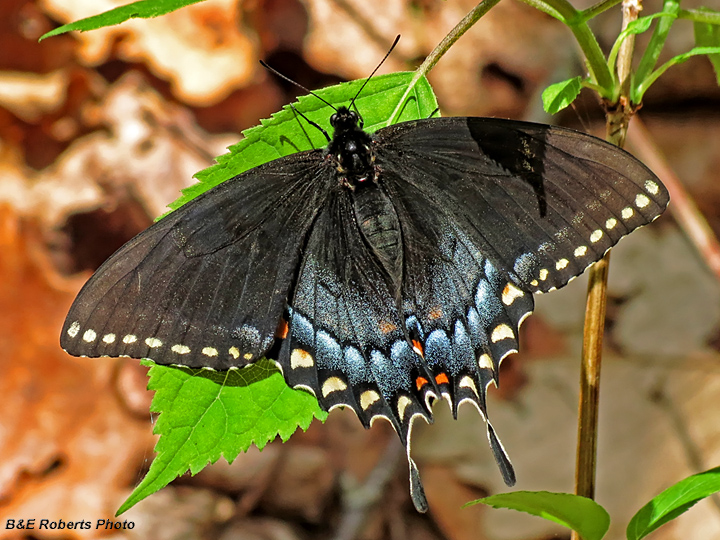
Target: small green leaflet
708,35
590,520
559,95
672,502
638,91
144,9
205,415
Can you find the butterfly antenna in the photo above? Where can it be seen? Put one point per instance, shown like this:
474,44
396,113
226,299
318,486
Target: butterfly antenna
352,103
300,86
314,124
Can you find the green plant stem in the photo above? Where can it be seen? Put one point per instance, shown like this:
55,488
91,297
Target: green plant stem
698,15
597,9
595,308
618,116
558,9
631,11
642,87
460,28
657,41
577,22
595,59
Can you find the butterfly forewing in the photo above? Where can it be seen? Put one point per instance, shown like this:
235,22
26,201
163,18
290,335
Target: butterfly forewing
207,284
542,202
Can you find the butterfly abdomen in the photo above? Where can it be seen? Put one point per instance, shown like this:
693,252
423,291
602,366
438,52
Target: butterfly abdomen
380,226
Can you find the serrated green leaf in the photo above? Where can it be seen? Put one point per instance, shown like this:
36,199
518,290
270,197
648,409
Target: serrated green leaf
206,415
585,516
286,133
144,9
559,95
708,35
673,502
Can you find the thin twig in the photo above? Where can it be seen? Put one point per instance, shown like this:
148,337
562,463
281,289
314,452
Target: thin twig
683,208
617,121
361,19
659,396
358,501
460,28
589,400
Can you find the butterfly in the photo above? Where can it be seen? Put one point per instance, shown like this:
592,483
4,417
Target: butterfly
382,272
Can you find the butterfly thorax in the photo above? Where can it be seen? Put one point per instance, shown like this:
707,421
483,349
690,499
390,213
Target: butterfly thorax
351,149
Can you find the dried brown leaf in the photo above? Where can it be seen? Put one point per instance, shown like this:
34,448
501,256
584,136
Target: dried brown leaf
69,450
201,49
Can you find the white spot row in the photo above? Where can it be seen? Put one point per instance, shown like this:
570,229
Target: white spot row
485,362
467,382
641,201
402,405
154,343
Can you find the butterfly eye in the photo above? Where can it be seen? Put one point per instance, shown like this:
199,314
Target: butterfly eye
333,120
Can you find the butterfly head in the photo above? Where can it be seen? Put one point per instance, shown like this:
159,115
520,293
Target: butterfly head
345,120
351,148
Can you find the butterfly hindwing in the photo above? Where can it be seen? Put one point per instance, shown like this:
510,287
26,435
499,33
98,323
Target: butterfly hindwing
466,308
347,342
207,284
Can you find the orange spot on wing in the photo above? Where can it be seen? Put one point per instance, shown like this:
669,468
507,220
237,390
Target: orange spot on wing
420,382
282,329
435,313
442,378
387,327
417,347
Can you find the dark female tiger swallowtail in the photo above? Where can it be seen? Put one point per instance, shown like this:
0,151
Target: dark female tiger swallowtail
393,268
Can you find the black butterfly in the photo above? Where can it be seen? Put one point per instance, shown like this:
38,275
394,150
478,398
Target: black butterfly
392,269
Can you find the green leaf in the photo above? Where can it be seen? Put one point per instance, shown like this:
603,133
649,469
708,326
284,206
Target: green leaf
642,24
639,91
708,35
559,95
144,9
673,502
286,133
208,414
585,516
